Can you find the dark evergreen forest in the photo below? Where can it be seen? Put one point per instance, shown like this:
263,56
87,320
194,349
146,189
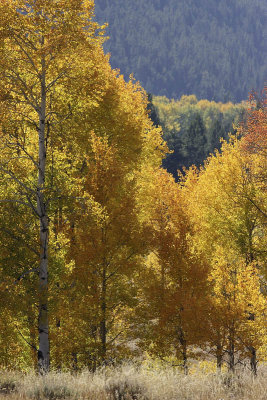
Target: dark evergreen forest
212,48
193,128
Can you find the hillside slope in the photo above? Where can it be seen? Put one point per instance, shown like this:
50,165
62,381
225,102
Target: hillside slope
213,48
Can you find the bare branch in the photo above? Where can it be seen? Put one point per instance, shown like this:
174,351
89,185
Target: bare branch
16,38
117,269
35,106
51,84
14,201
25,340
36,270
113,339
13,177
258,208
19,239
28,155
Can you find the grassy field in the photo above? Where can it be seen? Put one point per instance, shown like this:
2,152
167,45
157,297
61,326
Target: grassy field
129,382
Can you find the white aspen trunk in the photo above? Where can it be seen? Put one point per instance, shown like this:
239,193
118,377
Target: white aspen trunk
43,326
103,322
231,350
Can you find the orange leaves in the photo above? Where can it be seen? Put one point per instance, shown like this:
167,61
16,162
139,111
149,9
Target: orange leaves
255,127
175,282
254,146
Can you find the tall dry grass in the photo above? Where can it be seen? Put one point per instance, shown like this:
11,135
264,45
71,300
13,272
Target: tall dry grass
130,382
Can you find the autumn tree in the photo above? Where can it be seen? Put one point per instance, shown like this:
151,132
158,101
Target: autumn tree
174,278
43,52
254,143
105,237
230,231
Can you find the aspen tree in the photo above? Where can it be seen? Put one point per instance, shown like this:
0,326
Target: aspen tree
174,279
40,45
230,230
105,237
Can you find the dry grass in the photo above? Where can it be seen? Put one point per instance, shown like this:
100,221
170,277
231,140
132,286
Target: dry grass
130,382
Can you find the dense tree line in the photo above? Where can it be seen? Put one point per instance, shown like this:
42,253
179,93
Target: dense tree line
193,129
213,48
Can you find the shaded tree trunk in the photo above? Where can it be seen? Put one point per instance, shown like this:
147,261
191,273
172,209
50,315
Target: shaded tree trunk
43,325
231,351
183,344
74,356
251,317
103,327
253,360
219,357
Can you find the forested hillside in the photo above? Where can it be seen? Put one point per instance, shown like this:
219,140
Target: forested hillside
212,48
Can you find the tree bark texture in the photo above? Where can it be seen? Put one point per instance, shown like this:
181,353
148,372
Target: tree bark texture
183,344
43,325
219,357
103,327
253,360
231,350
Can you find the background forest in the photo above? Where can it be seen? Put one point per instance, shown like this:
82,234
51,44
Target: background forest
214,49
193,129
132,227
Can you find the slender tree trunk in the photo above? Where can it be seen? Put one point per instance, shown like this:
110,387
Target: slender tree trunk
103,327
92,357
251,317
185,363
183,344
231,351
253,360
163,283
219,357
74,361
43,326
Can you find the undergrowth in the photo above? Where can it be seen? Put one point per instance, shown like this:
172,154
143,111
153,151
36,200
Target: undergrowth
132,382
